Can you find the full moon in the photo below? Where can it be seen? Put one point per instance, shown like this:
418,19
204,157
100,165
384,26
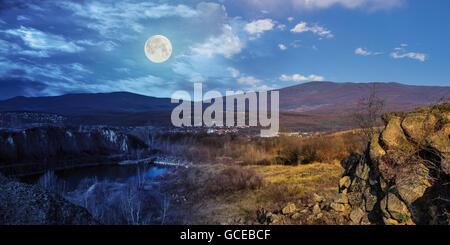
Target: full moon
158,49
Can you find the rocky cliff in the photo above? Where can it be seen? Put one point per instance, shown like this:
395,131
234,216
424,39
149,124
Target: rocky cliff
404,176
38,149
23,204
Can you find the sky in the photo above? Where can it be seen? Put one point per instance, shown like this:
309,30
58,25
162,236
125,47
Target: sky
52,48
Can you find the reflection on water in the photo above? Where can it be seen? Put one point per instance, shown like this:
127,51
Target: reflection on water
111,173
154,172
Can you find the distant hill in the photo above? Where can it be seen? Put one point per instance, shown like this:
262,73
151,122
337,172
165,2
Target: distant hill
88,104
321,106
327,106
322,96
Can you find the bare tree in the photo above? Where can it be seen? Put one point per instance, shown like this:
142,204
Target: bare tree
369,110
131,204
165,208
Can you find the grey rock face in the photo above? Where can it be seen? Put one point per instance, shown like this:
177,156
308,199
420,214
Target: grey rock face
23,204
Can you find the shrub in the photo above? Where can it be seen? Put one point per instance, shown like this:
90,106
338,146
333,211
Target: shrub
278,194
235,178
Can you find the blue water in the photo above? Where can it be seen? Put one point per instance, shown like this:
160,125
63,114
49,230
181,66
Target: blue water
112,173
154,172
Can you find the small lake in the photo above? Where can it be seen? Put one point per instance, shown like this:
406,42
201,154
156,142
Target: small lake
111,173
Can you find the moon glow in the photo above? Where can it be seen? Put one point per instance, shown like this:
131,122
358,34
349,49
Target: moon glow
158,49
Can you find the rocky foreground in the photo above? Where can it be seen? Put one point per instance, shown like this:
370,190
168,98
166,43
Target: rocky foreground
402,179
23,204
404,176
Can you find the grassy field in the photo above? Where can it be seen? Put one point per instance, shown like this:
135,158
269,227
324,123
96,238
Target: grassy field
241,176
280,185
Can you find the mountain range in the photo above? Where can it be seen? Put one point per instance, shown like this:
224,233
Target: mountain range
307,106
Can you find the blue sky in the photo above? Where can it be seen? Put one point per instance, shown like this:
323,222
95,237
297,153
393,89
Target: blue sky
58,47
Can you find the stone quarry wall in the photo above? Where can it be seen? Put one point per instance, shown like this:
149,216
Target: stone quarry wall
404,175
43,148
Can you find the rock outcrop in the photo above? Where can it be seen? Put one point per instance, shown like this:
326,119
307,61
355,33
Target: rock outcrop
403,177
23,204
36,150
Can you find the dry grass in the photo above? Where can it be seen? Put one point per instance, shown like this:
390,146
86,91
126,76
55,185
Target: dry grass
244,175
287,150
282,184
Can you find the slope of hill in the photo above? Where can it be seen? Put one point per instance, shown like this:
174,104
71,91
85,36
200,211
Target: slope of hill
321,106
327,106
321,96
87,104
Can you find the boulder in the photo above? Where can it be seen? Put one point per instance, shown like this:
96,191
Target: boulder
394,208
358,185
355,199
296,216
415,125
345,182
349,163
289,209
440,140
339,207
362,170
412,186
445,166
273,219
394,138
370,199
341,198
316,209
318,198
383,185
356,215
389,221
365,220
376,152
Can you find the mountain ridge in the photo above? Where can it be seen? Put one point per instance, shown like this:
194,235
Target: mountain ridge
311,105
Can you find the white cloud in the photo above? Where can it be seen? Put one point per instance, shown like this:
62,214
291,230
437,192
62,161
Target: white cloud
316,29
127,16
259,26
290,19
249,80
60,76
400,53
23,18
105,45
12,48
45,42
365,52
300,78
226,44
282,46
234,72
412,55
